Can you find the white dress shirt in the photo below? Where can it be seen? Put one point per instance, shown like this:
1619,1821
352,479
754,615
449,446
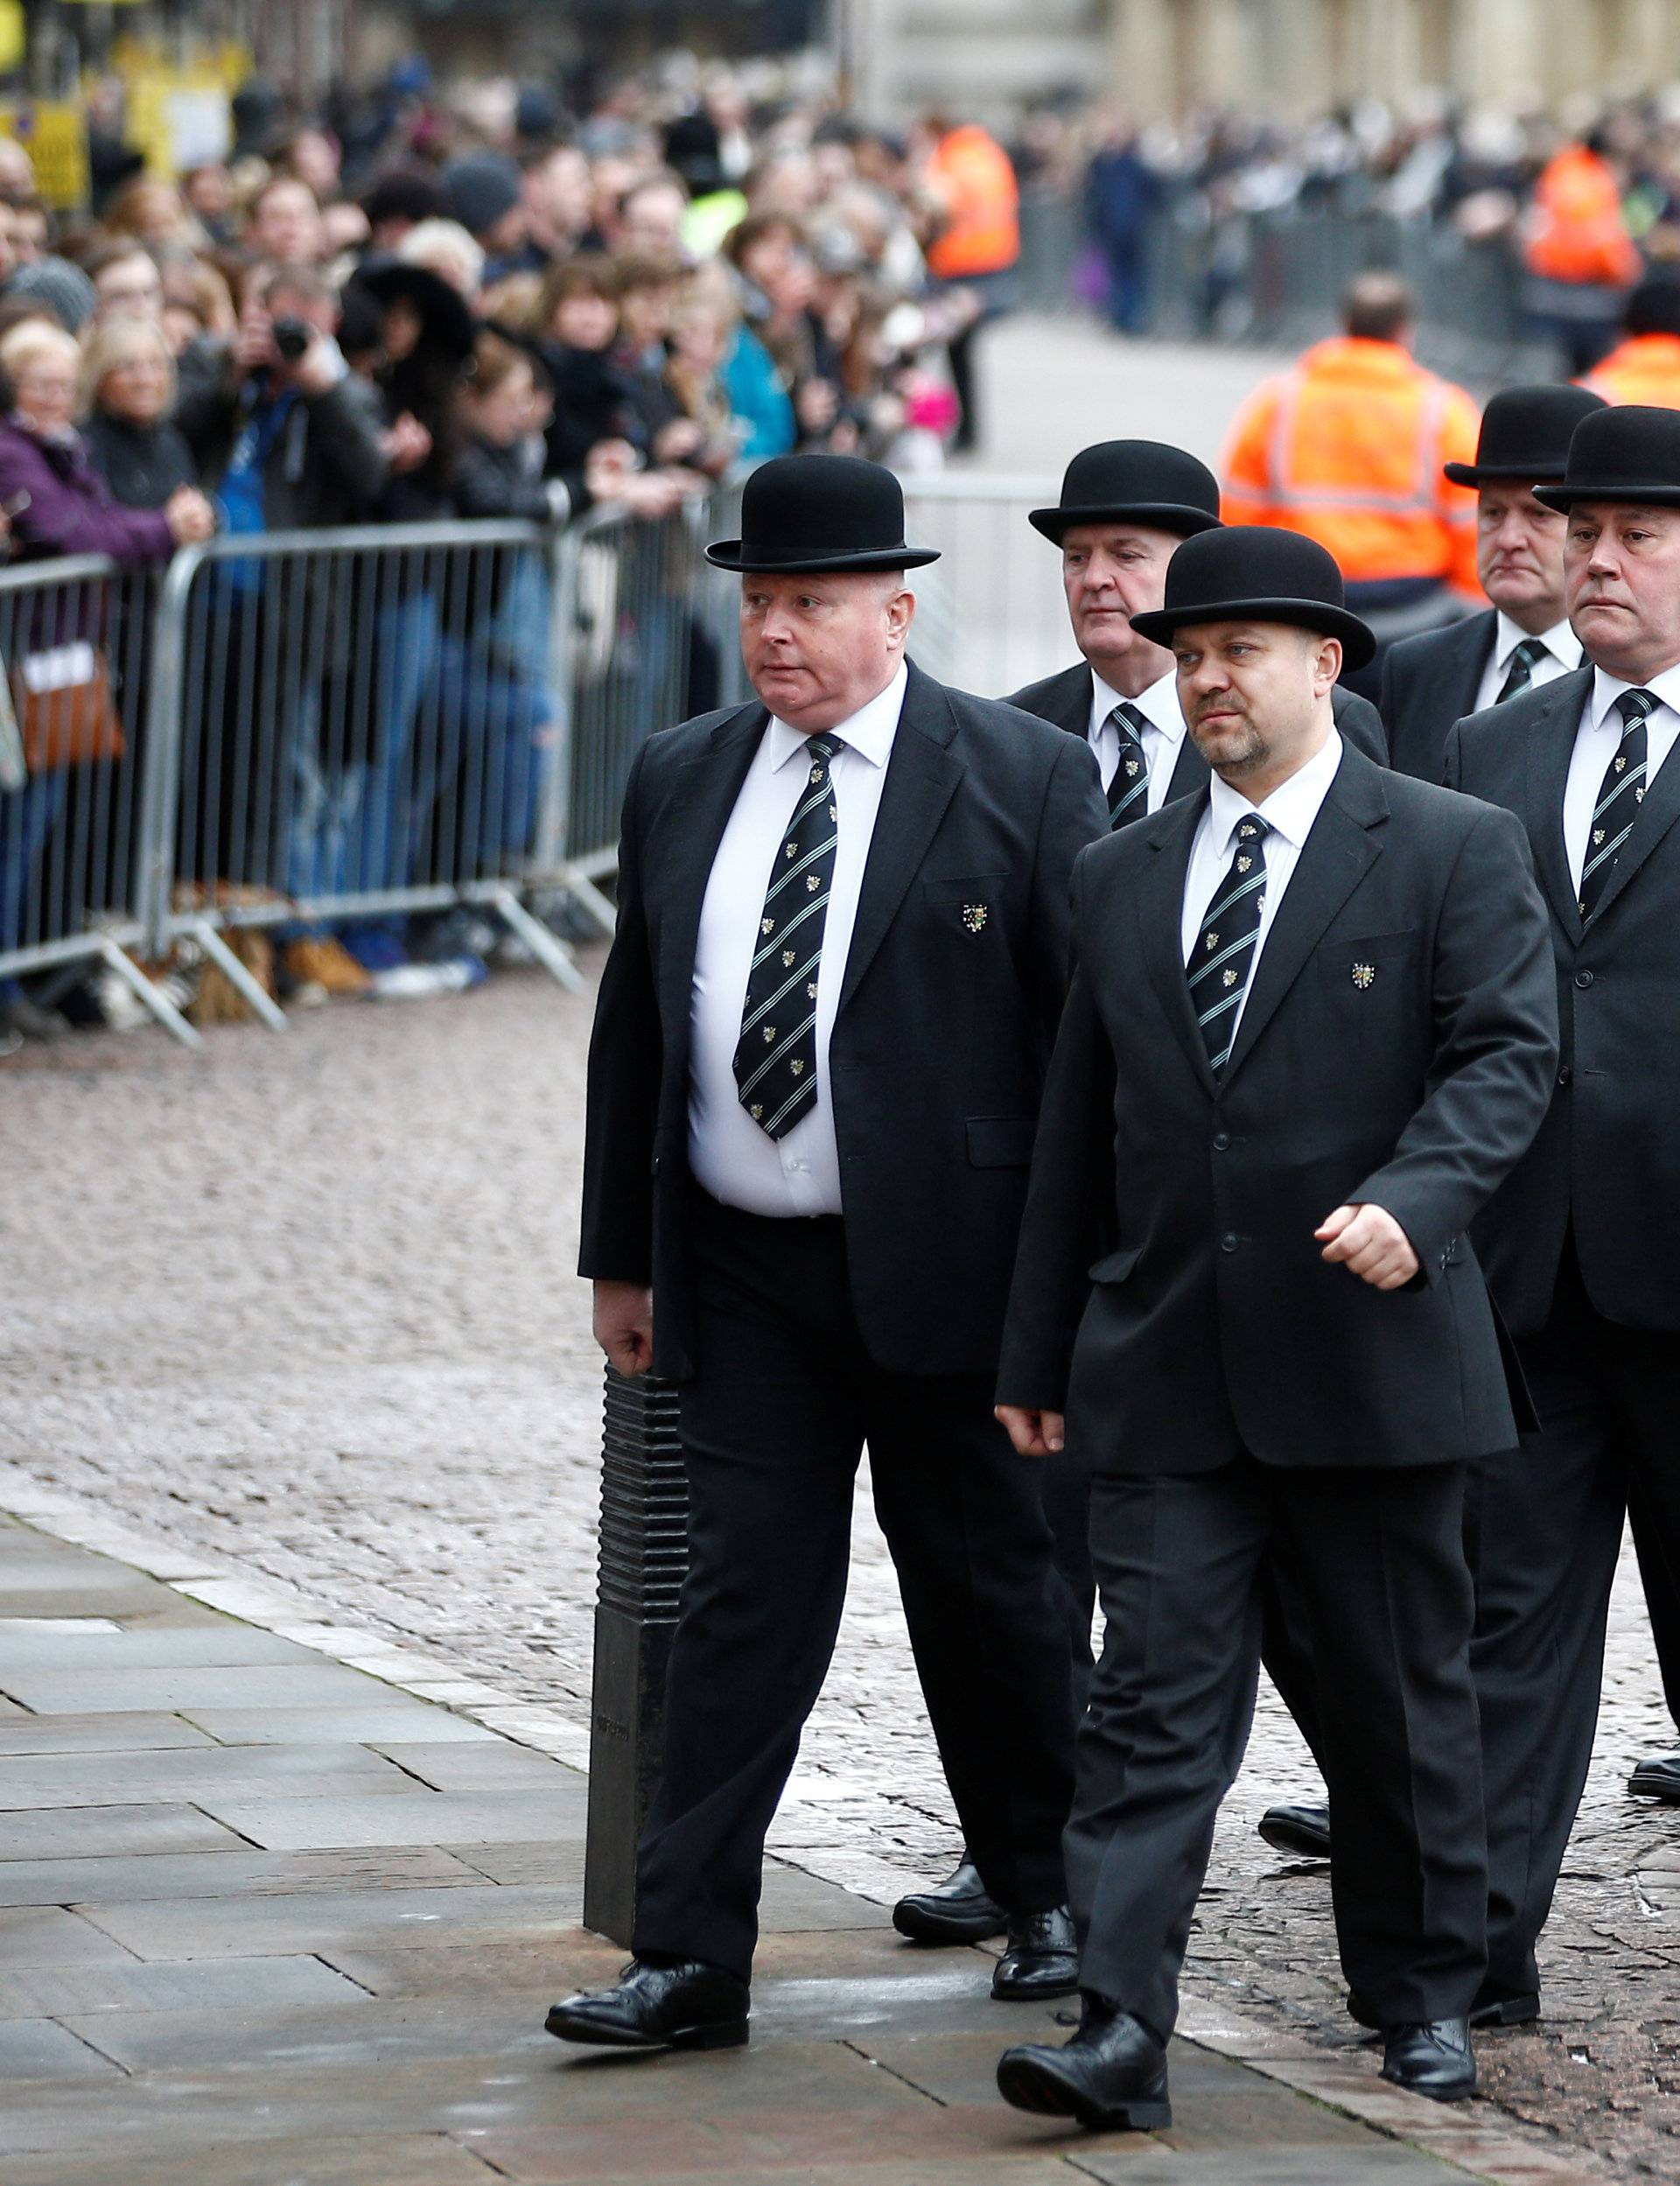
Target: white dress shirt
798,1174
1596,740
1164,732
1288,813
1561,657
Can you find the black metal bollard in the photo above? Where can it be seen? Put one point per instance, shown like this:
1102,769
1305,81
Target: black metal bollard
644,1553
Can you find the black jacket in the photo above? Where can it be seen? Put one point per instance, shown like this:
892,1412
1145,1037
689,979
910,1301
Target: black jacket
1170,1296
953,987
143,464
326,466
1065,699
1607,1161
1429,682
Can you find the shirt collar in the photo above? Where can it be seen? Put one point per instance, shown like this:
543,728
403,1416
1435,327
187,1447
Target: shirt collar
1607,688
1159,705
1290,809
869,732
1560,641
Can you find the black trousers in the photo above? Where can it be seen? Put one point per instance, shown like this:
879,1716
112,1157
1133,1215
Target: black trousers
1067,1507
1545,1535
774,1418
1375,1572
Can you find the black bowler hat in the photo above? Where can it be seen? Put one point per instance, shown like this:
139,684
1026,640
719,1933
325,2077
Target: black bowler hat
1525,434
827,513
1133,482
1248,572
1626,451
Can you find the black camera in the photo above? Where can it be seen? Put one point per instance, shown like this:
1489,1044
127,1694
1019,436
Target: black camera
292,337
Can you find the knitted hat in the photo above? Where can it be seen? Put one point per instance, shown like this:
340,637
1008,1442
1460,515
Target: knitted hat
481,188
64,288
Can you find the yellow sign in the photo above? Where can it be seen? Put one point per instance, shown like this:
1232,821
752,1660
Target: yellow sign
55,137
11,34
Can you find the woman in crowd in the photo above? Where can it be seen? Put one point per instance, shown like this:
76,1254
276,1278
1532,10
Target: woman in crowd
128,394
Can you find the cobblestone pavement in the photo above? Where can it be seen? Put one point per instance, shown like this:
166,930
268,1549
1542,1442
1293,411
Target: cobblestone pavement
305,1301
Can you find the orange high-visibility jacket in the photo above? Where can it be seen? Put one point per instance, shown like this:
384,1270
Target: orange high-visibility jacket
1348,448
972,176
1575,228
1644,369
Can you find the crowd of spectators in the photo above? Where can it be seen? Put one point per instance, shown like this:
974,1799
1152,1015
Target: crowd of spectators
423,306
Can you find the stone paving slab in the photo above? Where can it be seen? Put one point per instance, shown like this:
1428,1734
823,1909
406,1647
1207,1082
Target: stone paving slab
45,2049
399,2160
27,1644
423,1819
307,1682
217,1985
94,1832
115,1779
379,1724
126,1732
370,2014
91,1882
49,1936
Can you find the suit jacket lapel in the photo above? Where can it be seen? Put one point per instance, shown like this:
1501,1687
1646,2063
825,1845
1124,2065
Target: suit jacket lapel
1159,905
1339,849
1459,671
1552,741
702,797
921,776
1190,771
1071,700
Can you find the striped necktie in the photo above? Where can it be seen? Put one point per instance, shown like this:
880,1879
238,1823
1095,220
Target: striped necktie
775,1057
1129,786
1620,795
1525,658
1223,957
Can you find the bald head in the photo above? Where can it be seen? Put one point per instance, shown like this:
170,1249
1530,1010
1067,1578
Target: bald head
1379,307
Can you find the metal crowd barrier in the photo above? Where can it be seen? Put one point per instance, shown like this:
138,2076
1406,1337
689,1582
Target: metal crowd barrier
989,613
76,744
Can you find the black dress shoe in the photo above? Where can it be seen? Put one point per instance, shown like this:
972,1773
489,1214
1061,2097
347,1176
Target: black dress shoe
1657,1778
1488,2010
1432,2058
1112,2073
1302,1831
682,2005
1040,1957
960,1910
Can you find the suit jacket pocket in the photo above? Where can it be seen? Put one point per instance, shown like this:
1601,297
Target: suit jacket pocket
1115,1266
1361,965
1000,1142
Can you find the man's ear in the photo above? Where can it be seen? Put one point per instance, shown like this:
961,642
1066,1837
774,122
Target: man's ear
1327,666
900,613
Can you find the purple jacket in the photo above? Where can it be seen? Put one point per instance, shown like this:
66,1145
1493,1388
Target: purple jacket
70,510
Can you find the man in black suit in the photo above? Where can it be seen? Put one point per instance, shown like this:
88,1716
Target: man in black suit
1310,1028
818,1055
1126,506
1577,1242
1524,639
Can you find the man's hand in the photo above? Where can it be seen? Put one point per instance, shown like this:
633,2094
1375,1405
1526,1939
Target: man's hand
190,517
407,444
1034,1434
624,1326
1371,1244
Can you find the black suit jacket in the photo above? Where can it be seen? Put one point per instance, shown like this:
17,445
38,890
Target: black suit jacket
1607,1159
1169,1295
1429,682
1065,699
953,986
